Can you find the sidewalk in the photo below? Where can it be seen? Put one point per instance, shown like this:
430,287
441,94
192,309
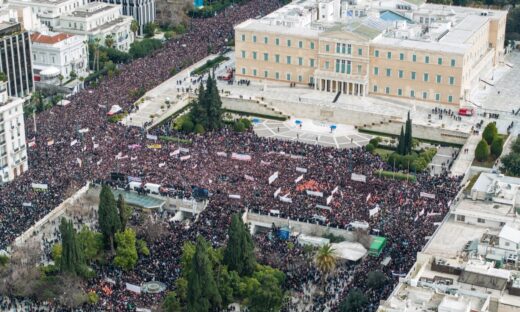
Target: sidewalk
464,161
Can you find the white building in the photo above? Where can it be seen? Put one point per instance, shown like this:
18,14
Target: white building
143,11
97,20
13,153
49,11
20,14
58,53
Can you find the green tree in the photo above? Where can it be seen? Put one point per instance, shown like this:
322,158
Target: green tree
72,259
90,242
370,148
149,29
376,279
355,302
400,143
482,151
126,252
325,261
56,252
134,27
3,77
171,303
108,218
497,146
515,146
268,296
142,248
4,260
511,164
109,41
125,211
490,132
239,253
207,109
202,289
408,135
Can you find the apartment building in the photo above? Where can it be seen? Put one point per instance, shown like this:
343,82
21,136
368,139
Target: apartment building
143,11
96,21
13,152
15,59
408,50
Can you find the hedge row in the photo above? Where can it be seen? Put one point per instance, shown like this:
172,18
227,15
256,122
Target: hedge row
396,175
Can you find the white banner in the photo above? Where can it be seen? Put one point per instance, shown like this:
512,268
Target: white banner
264,163
133,288
427,195
329,199
184,150
302,170
222,154
298,179
373,212
277,192
99,162
248,177
50,142
243,157
358,177
183,158
151,137
285,199
313,193
234,196
96,145
323,207
273,177
368,197
274,211
40,186
26,204
359,225
162,165
175,152
335,190
79,161
73,142
84,130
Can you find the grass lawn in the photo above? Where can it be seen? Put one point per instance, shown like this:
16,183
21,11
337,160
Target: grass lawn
384,153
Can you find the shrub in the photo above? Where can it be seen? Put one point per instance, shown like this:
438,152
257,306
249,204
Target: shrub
375,141
92,297
396,175
177,125
370,147
490,132
238,126
497,146
187,125
199,128
482,151
376,279
247,123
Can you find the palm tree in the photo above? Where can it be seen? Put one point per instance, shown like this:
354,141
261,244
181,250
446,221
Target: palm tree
325,261
134,27
109,41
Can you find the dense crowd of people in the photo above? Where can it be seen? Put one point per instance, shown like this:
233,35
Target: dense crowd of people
75,144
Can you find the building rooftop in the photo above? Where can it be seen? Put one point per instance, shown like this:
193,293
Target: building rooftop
91,9
49,39
41,2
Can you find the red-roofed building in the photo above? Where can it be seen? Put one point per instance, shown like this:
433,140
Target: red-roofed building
56,54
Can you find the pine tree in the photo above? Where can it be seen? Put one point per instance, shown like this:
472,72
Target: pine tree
72,258
202,289
239,254
108,218
408,135
400,143
124,211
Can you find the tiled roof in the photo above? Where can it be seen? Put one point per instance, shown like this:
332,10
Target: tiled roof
40,38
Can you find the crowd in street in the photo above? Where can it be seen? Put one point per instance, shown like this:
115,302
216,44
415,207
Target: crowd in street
74,144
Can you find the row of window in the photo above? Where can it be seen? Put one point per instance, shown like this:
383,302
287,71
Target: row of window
426,59
288,59
412,94
288,42
413,75
344,48
276,76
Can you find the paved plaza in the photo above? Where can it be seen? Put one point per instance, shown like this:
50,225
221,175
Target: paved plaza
312,132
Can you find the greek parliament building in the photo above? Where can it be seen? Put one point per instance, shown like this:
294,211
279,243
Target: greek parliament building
403,49
15,59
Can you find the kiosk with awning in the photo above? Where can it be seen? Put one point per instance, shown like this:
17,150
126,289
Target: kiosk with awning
377,245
